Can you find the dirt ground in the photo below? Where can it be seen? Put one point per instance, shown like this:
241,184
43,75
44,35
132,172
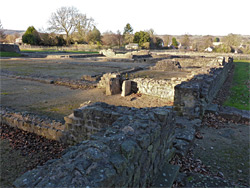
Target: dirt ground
64,68
59,101
21,151
226,150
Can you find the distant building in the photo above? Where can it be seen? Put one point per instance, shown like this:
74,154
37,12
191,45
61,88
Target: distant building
238,51
217,43
19,40
132,46
209,49
243,46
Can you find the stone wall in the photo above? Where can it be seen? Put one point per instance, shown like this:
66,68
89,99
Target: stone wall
158,88
9,48
103,83
167,65
129,55
131,146
192,98
165,88
200,61
50,129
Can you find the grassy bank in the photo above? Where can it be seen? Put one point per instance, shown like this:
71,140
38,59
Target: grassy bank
240,89
9,54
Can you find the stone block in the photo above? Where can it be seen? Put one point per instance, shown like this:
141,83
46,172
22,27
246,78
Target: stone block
113,87
126,88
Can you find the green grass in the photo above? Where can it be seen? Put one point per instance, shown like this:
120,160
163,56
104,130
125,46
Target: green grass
9,54
53,50
240,90
5,93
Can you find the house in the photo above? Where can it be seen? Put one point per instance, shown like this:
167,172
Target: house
243,46
209,49
217,43
238,51
19,40
132,46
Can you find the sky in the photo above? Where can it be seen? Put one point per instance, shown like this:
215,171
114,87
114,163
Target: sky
174,17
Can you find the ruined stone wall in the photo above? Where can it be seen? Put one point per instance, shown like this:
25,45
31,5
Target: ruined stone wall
193,97
158,88
200,62
105,79
129,55
165,88
90,119
50,129
127,152
9,48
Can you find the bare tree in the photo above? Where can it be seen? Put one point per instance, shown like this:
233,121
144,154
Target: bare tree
83,26
185,40
119,38
110,39
2,34
68,20
167,40
232,40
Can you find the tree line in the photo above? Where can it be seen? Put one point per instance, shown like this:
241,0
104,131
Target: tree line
68,26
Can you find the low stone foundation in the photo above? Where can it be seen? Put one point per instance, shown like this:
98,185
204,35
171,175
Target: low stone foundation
50,129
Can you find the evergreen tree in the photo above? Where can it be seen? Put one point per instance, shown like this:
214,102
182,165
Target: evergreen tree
128,29
174,42
128,34
31,36
94,36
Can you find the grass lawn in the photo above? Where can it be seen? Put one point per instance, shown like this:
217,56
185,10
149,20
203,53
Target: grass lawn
240,90
9,54
53,50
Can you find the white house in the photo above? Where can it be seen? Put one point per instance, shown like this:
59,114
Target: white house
217,43
209,49
132,46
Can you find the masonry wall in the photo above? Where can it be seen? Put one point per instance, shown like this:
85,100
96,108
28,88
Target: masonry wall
192,97
165,88
9,48
200,62
158,88
127,153
50,129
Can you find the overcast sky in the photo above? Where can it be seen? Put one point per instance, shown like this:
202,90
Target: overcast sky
175,17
